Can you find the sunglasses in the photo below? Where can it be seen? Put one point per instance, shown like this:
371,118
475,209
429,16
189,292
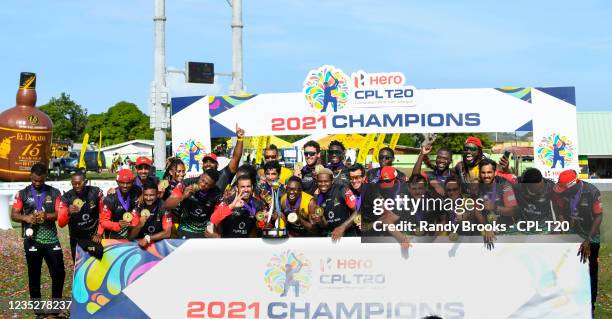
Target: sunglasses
270,157
310,154
334,152
470,148
385,157
355,178
142,166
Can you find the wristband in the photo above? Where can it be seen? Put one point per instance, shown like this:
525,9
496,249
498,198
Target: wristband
147,238
239,139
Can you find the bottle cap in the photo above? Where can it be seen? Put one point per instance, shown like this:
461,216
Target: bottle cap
27,81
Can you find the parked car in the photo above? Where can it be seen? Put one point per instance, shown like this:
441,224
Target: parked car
70,162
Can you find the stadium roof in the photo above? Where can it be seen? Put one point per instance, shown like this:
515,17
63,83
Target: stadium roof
595,133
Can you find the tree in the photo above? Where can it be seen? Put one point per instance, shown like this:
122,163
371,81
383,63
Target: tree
123,122
455,141
69,118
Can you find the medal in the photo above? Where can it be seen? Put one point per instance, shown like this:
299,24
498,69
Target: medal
292,218
29,232
127,217
260,216
453,236
145,213
319,211
163,184
357,219
78,203
491,218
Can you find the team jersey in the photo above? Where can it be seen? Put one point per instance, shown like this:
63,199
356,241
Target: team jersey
86,222
195,210
300,208
113,212
47,199
309,184
239,222
580,207
503,195
338,204
158,221
535,207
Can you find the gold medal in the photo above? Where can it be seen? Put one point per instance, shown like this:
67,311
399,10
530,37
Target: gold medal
491,217
40,217
195,187
260,216
127,217
292,218
163,184
357,219
319,211
78,203
145,213
453,236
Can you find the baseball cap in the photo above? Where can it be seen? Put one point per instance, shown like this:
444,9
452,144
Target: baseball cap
125,175
474,140
567,179
388,174
143,160
210,155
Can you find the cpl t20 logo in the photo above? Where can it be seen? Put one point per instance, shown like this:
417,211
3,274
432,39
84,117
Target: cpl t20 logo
191,153
555,151
326,88
287,272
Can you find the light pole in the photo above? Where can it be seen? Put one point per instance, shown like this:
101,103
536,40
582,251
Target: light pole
237,26
159,94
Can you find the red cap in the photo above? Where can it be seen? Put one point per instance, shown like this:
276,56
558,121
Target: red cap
567,179
210,155
388,175
143,160
125,175
474,140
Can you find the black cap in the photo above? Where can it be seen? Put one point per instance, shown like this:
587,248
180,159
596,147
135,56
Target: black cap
27,80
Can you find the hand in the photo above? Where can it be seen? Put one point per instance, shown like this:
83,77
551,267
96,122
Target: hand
124,224
297,172
405,242
489,237
143,243
337,233
238,201
239,132
110,191
504,164
425,150
208,234
29,219
96,238
584,251
188,191
72,209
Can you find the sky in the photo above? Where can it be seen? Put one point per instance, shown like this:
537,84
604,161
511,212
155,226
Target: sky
101,52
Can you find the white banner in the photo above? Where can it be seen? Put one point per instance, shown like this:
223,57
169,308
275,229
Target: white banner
313,278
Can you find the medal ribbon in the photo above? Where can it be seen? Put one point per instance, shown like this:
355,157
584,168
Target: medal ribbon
574,202
250,206
125,204
294,208
39,198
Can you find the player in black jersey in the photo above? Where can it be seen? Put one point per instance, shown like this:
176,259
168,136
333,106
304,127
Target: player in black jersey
119,211
155,222
195,204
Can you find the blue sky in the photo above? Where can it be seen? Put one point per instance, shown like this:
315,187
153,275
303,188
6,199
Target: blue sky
101,52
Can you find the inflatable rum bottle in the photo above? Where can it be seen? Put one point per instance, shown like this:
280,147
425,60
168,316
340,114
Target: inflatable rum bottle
25,134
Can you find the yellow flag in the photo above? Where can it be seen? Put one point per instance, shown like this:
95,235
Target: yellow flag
365,149
100,147
379,144
83,150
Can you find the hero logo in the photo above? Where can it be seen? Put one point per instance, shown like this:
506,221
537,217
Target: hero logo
349,272
381,89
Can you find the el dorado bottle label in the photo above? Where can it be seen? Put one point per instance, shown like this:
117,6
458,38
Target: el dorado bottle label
21,149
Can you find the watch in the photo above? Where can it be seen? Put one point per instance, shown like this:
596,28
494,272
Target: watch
147,238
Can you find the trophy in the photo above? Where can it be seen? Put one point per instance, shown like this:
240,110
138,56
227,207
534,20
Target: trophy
78,203
127,217
278,230
145,213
